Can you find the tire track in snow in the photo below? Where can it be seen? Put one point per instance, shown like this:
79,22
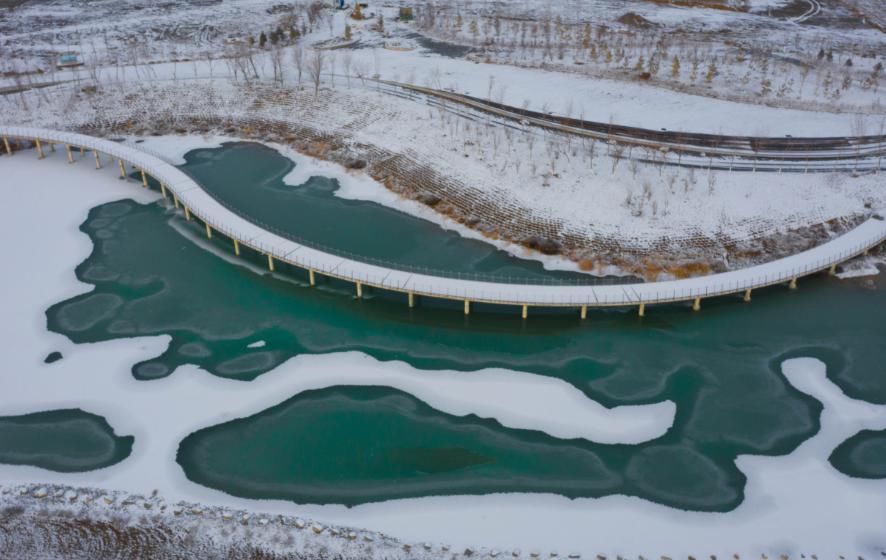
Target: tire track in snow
814,10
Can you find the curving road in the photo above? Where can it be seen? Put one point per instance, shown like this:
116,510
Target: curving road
685,149
197,203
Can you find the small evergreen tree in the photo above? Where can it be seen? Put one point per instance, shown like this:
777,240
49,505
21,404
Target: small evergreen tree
381,23
675,67
262,39
347,32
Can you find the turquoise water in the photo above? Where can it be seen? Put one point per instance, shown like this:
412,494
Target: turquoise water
249,178
352,445
61,440
862,456
720,366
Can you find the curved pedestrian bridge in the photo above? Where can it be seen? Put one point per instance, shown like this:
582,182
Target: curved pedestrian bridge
196,203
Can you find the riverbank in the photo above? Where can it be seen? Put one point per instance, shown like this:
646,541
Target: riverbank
591,210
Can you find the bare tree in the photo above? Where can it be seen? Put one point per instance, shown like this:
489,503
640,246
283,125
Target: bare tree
246,52
298,58
315,68
712,181
207,55
617,152
346,62
859,127
277,62
880,133
360,70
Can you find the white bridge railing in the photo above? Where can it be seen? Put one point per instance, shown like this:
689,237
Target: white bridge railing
203,206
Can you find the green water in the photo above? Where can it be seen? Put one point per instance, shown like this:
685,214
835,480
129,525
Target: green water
720,366
61,440
356,444
249,177
862,456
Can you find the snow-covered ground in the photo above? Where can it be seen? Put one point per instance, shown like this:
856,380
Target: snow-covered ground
668,217
570,184
782,513
102,36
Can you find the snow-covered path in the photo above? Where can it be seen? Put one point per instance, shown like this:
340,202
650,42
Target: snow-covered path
219,218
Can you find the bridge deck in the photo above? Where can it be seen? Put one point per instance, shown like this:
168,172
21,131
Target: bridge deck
200,204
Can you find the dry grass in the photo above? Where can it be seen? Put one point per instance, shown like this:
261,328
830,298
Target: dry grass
726,5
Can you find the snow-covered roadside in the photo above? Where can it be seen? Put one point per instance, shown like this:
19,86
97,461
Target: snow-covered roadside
782,512
601,99
516,185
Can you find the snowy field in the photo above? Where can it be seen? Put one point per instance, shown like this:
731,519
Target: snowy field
573,184
667,219
781,513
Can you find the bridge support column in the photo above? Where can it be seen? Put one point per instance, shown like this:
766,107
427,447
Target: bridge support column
208,231
525,311
642,311
311,280
122,168
163,190
82,151
39,149
175,200
359,290
187,213
70,155
236,247
270,263
467,307
584,312
144,179
833,270
6,144
793,284
747,295
52,147
696,305
411,300
98,159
